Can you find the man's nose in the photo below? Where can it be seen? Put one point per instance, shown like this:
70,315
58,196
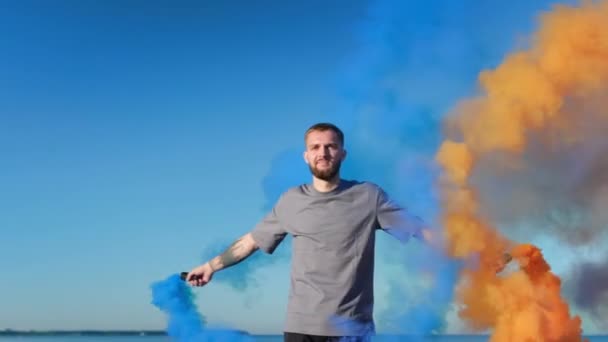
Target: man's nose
326,152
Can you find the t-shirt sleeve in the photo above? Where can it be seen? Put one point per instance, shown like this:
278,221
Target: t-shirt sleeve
269,232
397,220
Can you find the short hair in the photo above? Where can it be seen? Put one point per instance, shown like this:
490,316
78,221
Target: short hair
326,126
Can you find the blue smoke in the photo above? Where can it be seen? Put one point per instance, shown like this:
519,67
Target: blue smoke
394,93
287,169
185,324
420,312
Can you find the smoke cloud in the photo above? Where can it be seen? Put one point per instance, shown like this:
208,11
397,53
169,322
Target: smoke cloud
185,324
527,149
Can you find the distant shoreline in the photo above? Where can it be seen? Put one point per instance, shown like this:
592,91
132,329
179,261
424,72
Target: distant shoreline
10,332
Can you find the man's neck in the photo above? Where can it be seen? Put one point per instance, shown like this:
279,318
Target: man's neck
325,186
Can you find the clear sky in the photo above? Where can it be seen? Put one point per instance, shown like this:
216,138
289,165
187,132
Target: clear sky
137,137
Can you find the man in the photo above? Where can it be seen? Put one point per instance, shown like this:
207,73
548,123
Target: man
333,223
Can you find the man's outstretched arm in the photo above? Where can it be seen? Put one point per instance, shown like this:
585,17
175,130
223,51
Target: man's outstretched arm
237,252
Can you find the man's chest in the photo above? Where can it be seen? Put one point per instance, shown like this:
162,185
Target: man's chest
330,223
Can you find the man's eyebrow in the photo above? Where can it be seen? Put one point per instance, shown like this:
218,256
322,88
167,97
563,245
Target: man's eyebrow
325,144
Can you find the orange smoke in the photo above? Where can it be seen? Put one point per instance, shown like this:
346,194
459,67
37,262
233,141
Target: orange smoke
567,61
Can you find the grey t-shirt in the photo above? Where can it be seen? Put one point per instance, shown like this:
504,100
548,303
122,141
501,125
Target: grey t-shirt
332,266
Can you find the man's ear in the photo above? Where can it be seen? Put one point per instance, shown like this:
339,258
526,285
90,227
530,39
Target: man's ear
343,155
304,156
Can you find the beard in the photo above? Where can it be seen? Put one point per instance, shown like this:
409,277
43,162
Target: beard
326,174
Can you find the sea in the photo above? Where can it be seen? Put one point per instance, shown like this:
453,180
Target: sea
257,338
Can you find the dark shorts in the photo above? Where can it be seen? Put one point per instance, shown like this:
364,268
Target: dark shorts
295,337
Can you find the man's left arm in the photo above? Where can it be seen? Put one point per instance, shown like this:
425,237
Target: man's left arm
400,223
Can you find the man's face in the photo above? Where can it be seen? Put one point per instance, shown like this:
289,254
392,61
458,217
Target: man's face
324,154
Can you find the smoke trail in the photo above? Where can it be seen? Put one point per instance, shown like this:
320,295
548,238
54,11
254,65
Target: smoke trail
592,290
550,98
185,324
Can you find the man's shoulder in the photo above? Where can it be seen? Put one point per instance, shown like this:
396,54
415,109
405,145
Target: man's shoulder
293,192
365,186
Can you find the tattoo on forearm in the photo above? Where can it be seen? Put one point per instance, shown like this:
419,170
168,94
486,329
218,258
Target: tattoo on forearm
233,254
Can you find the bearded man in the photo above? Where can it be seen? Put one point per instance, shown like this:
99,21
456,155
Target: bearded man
333,224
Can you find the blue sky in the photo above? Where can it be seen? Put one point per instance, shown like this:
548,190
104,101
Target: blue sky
137,137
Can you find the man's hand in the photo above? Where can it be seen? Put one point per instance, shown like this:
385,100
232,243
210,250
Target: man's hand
432,238
502,263
201,275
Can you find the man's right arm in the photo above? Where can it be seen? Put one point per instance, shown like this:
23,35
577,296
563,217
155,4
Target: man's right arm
237,252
